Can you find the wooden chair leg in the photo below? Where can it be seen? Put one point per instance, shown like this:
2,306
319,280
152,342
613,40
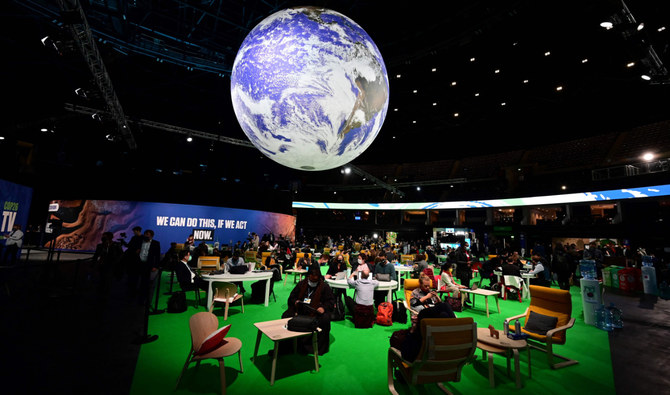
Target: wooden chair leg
188,360
225,313
222,370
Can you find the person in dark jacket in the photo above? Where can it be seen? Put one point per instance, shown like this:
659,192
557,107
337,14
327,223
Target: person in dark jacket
312,296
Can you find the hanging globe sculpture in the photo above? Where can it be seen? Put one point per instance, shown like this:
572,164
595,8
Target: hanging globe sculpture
309,88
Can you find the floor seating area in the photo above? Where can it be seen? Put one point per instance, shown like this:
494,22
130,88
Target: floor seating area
154,367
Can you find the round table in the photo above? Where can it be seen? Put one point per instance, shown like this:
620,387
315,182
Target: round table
502,345
383,286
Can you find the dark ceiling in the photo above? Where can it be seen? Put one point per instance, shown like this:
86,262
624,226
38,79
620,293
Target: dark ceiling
168,62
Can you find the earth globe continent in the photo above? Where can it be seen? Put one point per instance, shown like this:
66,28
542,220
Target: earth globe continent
309,88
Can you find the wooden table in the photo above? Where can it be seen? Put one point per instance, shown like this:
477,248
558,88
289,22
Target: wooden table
248,276
388,286
503,345
479,291
276,331
295,272
526,279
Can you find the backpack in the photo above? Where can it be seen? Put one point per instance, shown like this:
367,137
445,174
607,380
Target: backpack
455,304
385,314
338,311
399,312
177,302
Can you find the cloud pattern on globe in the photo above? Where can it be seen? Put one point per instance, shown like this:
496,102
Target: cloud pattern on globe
309,88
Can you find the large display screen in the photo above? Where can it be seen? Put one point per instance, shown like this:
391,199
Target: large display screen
15,201
84,221
584,197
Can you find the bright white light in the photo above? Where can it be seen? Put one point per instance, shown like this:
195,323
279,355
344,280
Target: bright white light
630,64
418,188
648,156
189,139
374,236
559,88
585,60
607,25
640,27
547,53
645,77
347,170
2,137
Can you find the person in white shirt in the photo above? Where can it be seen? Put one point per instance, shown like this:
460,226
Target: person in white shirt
187,278
13,243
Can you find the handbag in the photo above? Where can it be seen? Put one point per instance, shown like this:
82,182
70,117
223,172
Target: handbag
383,277
177,302
302,323
455,303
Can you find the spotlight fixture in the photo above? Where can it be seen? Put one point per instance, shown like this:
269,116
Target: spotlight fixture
80,92
96,117
347,170
648,156
189,139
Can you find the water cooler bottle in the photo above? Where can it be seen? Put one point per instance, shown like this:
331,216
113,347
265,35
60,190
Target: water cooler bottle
649,275
591,298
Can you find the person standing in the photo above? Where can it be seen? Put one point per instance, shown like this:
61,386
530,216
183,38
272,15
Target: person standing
106,260
150,258
131,260
463,261
13,244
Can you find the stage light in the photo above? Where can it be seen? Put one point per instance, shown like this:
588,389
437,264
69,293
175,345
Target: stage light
648,156
607,25
2,137
189,139
80,92
347,170
645,77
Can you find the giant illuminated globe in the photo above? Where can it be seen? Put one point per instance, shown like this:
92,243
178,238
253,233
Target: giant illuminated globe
309,88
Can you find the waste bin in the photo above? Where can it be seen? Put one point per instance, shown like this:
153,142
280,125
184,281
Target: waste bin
591,299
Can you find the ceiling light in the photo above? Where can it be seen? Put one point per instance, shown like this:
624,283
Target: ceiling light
497,71
80,92
660,29
453,83
434,69
648,156
563,187
189,139
547,53
415,91
456,115
472,59
630,64
394,138
607,25
334,192
640,27
477,94
503,104
559,88
418,188
413,121
397,76
525,81
395,109
645,77
2,137
435,104
585,60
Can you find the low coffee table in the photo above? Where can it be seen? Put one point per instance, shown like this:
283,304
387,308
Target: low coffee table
296,273
503,345
276,331
485,292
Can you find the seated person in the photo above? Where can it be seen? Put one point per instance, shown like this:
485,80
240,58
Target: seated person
361,260
449,284
324,259
336,265
423,297
186,277
302,264
236,261
539,272
383,266
364,310
311,296
509,268
420,263
412,343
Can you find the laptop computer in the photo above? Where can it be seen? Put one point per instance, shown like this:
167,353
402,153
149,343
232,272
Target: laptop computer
340,275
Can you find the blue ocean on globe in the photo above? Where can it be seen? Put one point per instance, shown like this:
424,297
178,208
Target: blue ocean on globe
309,88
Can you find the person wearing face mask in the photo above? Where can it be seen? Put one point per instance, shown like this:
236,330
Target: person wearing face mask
187,278
361,260
364,309
336,265
383,266
312,296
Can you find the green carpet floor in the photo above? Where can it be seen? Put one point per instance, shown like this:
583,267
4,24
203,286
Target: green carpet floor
357,360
